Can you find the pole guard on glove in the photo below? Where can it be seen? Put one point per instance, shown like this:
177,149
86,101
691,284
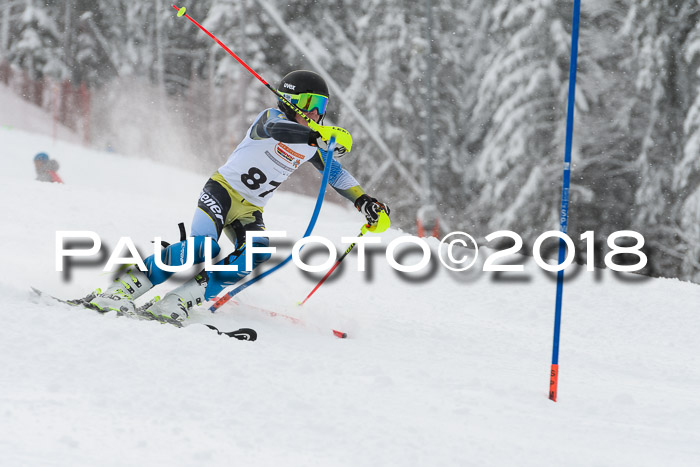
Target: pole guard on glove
382,224
322,134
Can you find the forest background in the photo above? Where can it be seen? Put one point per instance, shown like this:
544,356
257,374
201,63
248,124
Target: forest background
469,96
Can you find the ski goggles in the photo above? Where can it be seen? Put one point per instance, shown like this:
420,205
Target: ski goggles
308,102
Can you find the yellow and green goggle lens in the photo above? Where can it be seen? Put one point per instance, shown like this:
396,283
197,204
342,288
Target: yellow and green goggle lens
308,102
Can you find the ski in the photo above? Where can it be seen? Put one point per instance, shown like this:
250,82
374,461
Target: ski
243,334
74,303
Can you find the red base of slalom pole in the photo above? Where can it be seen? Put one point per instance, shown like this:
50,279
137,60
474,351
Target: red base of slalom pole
553,381
339,334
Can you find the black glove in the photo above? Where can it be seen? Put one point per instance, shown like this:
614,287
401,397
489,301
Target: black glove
316,141
370,207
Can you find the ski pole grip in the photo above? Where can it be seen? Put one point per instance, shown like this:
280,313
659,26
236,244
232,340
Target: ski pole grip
180,11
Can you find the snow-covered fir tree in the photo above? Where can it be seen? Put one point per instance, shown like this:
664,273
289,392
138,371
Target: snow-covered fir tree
495,105
520,109
660,35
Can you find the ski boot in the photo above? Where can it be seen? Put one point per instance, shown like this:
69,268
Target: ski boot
120,296
174,307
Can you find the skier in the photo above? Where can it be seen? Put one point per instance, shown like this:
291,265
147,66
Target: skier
232,201
46,169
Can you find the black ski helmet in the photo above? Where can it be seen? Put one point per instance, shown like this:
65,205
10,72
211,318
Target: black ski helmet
299,82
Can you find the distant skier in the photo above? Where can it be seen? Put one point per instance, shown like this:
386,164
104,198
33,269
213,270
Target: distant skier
232,200
46,169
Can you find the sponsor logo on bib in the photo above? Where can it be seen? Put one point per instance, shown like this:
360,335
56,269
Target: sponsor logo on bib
288,154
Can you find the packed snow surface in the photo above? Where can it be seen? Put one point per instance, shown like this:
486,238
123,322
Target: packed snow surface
439,368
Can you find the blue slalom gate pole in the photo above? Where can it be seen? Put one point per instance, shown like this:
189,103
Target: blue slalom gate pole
564,212
317,209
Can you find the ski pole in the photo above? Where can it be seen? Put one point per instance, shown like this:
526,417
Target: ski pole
291,319
313,125
337,263
381,225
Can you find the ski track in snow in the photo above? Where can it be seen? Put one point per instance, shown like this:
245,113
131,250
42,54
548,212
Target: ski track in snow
446,371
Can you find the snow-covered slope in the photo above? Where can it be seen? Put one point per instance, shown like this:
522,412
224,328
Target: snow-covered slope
448,370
